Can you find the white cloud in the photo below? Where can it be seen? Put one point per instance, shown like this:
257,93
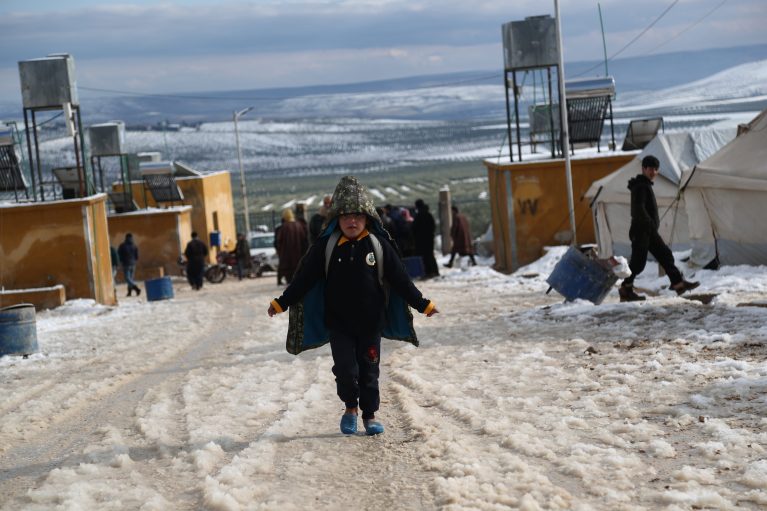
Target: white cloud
202,45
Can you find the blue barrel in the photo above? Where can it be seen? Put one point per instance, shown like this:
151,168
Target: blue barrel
215,239
414,266
578,276
18,330
159,289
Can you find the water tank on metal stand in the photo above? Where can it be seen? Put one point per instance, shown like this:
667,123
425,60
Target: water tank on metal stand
48,82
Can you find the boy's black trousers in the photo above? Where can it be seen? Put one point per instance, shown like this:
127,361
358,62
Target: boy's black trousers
356,365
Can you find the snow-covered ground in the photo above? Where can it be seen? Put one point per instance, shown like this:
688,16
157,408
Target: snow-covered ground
513,400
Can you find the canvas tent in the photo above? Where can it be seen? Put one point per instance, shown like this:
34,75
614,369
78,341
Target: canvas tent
725,197
676,152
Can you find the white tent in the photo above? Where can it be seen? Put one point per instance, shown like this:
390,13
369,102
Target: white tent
726,199
676,152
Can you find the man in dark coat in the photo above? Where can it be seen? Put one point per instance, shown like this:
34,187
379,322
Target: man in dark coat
291,242
350,289
644,236
460,233
424,228
128,254
196,253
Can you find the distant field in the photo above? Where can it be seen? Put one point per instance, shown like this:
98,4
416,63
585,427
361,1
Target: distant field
467,182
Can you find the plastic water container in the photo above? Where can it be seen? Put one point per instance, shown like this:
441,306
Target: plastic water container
18,330
159,289
578,276
414,266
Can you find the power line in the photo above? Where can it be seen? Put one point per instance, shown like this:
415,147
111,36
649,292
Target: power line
689,27
635,39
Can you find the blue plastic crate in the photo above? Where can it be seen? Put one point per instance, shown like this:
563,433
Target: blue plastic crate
578,276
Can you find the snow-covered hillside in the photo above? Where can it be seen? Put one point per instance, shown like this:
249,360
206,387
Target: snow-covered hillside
740,86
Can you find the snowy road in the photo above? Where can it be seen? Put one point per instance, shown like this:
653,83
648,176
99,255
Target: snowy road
514,400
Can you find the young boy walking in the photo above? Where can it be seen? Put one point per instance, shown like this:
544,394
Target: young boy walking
645,237
351,289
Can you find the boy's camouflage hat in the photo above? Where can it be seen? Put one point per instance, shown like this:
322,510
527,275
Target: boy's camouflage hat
351,197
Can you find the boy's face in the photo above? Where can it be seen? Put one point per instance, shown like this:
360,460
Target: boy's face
650,172
352,224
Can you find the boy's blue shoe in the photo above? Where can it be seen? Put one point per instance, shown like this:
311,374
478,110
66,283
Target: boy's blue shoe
349,423
373,427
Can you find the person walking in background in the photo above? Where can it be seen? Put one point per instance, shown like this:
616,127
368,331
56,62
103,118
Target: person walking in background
644,235
128,254
242,253
291,241
397,225
460,233
196,253
342,277
405,239
424,229
318,220
299,213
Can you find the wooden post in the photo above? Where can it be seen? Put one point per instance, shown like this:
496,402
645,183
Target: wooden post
445,219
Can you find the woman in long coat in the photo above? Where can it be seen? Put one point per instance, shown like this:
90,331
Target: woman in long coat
460,233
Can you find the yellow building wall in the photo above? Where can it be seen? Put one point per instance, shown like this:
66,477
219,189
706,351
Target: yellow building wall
159,234
59,242
210,196
540,205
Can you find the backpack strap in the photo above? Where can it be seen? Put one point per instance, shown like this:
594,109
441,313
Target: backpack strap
377,251
332,242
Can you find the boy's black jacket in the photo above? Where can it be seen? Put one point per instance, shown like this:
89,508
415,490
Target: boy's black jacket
644,208
355,302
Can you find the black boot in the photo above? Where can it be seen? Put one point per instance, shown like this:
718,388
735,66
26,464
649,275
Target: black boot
138,290
627,294
130,291
683,286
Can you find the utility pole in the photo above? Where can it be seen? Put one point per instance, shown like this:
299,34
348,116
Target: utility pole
243,188
563,124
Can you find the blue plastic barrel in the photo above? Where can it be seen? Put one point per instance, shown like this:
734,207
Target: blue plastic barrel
18,330
215,239
414,266
578,276
159,289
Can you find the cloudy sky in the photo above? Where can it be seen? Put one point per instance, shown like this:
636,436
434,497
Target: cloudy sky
202,45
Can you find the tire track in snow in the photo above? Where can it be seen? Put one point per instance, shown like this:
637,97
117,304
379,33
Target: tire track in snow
65,443
302,460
